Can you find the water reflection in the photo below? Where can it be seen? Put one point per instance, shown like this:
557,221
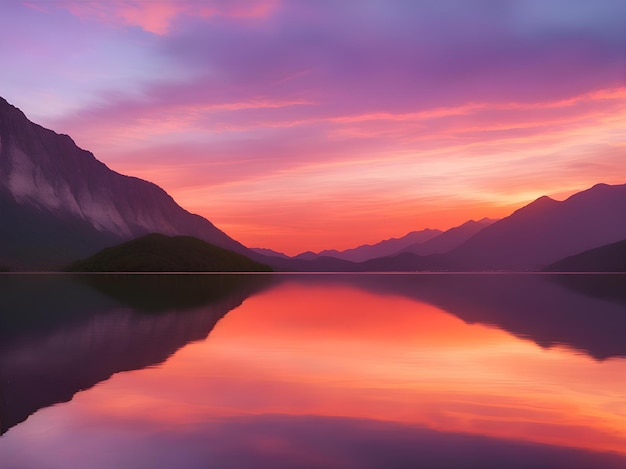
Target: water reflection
60,335
584,312
314,371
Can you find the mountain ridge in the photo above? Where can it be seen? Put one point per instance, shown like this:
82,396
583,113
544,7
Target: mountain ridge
607,258
449,239
546,231
66,204
365,252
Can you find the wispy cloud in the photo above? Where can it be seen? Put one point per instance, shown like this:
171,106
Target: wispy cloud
362,118
158,16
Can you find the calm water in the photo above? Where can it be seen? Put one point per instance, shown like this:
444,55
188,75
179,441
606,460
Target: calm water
313,371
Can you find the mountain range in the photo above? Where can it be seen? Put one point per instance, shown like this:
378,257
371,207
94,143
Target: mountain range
450,239
384,248
58,204
546,231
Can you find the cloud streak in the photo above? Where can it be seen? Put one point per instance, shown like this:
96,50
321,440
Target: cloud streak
158,17
290,116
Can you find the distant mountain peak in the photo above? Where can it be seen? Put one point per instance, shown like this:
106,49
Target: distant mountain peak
269,252
597,191
450,238
542,204
547,230
383,248
544,199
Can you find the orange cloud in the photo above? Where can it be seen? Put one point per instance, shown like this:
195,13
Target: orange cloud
360,178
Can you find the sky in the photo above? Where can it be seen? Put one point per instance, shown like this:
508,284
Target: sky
325,124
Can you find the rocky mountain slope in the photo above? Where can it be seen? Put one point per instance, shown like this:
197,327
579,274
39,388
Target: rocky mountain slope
59,203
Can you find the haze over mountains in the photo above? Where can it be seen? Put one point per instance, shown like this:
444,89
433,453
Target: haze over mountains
58,204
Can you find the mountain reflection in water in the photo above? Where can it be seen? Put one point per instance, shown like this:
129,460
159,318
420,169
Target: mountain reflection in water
60,335
313,371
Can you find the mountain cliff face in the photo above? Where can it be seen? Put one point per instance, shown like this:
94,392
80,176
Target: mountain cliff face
59,203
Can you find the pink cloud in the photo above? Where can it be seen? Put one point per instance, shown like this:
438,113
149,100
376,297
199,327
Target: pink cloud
265,169
158,17
333,114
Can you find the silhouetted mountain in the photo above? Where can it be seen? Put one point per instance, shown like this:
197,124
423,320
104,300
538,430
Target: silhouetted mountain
159,253
307,256
59,336
534,236
546,231
449,239
383,248
313,264
608,258
403,262
59,203
269,252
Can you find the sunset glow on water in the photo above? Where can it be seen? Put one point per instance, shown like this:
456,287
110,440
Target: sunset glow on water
313,234
316,352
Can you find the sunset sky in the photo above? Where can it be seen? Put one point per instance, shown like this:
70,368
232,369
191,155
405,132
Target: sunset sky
319,124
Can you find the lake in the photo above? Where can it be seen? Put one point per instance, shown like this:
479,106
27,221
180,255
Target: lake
313,371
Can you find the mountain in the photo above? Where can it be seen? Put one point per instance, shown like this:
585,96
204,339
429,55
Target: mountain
531,238
314,264
309,256
450,239
383,248
59,203
608,258
269,253
160,253
546,231
402,262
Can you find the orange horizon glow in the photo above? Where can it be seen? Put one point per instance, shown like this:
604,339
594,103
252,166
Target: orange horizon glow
327,126
340,201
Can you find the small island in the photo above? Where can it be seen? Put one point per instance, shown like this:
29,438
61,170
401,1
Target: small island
160,253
